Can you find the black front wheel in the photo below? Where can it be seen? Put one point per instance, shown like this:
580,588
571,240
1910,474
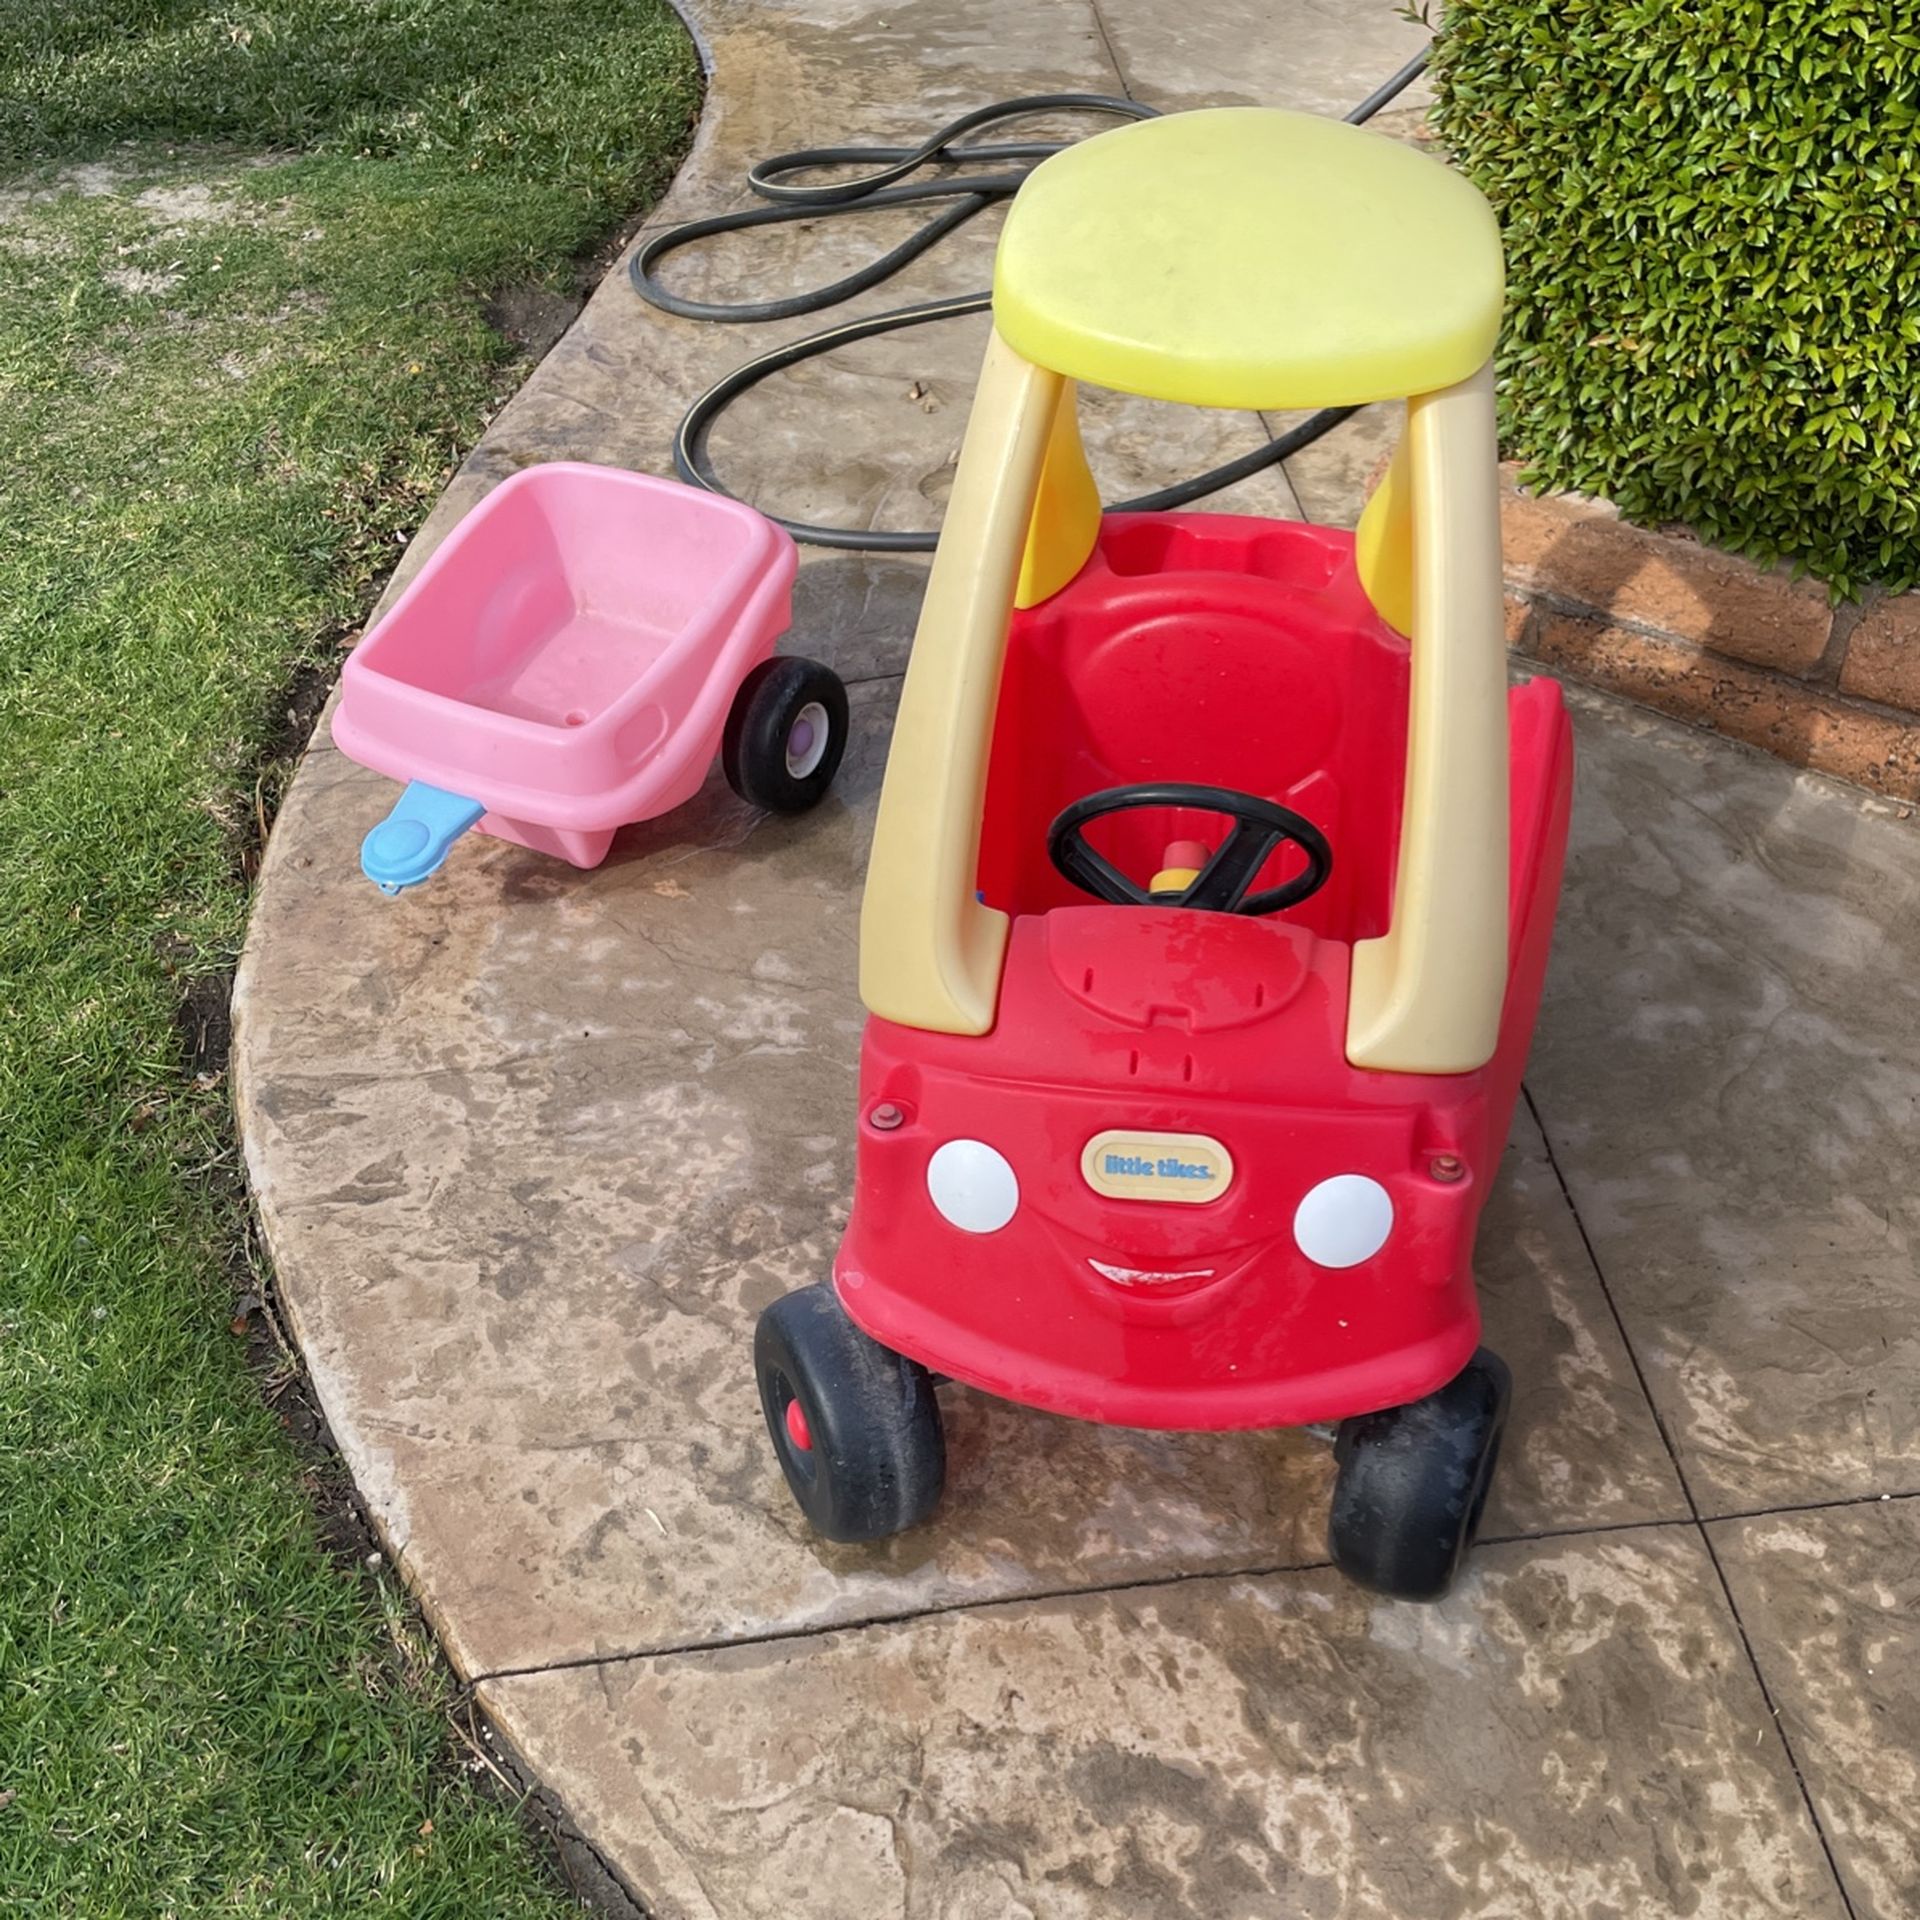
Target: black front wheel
855,1425
785,734
1413,1481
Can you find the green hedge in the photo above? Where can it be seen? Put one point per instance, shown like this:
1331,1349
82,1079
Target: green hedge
1712,216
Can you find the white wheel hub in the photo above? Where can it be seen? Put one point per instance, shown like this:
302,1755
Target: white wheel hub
807,739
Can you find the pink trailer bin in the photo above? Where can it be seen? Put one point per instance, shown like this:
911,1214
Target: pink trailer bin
571,658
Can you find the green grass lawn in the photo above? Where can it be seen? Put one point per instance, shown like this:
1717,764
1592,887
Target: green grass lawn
242,254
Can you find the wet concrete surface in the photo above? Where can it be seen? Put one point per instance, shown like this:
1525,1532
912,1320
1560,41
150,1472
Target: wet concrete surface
532,1147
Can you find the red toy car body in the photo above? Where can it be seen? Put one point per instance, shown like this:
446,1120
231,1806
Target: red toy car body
1249,657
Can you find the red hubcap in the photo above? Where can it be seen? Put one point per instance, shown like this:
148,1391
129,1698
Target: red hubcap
797,1429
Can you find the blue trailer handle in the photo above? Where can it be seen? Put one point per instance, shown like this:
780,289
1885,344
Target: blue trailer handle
410,843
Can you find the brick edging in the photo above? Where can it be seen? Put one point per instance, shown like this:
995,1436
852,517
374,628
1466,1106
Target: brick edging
1716,640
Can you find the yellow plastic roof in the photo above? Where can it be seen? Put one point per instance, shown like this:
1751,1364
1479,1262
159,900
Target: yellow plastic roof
1247,257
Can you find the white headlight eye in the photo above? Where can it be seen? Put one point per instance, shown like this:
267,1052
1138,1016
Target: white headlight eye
973,1186
1343,1221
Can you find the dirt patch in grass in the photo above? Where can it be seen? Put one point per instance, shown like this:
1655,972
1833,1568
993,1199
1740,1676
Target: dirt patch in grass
533,318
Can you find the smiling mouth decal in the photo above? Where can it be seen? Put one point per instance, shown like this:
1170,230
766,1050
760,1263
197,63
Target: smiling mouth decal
1149,1276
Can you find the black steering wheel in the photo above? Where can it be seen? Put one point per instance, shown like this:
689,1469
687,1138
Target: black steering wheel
1259,828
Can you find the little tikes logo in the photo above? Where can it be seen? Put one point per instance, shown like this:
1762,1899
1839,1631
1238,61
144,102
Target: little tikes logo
1187,1168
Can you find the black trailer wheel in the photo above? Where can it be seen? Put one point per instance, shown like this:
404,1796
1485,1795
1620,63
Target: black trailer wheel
1413,1480
855,1425
785,734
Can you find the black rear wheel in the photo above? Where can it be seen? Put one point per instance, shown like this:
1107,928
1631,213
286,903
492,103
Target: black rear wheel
785,734
855,1425
1413,1483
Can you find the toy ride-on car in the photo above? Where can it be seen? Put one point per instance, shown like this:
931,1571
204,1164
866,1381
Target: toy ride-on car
571,658
1214,872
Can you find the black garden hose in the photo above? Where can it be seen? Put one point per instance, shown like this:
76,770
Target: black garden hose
884,182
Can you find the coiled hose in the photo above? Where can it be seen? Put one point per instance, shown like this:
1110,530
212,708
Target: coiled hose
886,181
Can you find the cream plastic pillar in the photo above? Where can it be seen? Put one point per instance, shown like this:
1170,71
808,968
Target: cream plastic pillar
930,953
1426,997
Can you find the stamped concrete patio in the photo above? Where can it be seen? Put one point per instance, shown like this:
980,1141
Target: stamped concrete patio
532,1147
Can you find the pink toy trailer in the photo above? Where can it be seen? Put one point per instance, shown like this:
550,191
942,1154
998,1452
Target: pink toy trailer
571,658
